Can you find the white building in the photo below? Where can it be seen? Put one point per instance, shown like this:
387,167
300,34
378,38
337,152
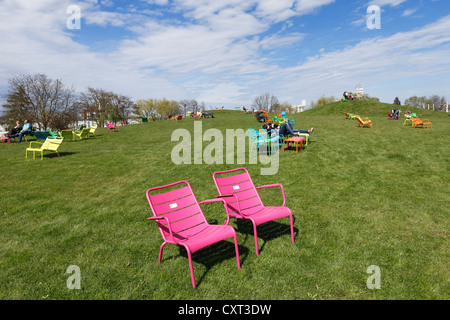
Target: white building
2,131
300,107
359,90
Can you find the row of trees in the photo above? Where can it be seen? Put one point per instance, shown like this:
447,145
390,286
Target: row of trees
52,105
439,102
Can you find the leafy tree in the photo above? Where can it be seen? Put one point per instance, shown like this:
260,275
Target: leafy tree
367,97
322,101
145,108
165,107
416,101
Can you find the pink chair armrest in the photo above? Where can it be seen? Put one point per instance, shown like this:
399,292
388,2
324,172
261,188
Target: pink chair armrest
217,200
272,186
212,200
237,201
168,224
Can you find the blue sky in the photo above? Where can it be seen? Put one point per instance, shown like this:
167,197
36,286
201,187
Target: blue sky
227,52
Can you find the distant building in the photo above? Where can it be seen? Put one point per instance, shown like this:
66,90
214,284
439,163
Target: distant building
2,130
359,90
300,107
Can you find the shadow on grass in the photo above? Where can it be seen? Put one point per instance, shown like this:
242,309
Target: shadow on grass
266,231
61,154
215,254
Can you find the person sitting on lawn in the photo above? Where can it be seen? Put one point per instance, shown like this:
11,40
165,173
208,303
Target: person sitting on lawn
25,129
205,114
15,130
268,128
260,115
287,129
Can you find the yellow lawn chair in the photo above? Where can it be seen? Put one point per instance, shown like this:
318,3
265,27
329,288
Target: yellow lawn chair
50,144
92,130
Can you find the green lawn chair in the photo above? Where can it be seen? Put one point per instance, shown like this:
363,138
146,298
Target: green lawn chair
41,135
83,134
67,134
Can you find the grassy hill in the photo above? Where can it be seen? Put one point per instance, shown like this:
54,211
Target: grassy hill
368,108
360,197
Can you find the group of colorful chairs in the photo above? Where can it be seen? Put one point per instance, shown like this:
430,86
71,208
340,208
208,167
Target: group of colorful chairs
413,120
362,122
53,141
81,133
261,139
410,119
279,119
182,222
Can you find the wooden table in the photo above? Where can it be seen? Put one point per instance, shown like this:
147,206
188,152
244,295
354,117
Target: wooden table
293,140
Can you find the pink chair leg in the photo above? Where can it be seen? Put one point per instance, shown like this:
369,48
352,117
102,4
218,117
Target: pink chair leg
160,251
237,252
256,238
292,228
190,266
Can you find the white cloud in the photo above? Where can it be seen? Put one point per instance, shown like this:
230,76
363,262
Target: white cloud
409,12
216,56
404,55
392,3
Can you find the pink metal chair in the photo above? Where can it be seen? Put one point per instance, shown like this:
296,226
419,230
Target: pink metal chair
112,127
181,221
243,201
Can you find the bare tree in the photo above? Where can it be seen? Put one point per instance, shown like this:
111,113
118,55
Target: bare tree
266,102
262,102
438,101
40,100
184,105
100,105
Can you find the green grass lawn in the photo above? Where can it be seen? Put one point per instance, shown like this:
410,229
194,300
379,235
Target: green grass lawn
359,196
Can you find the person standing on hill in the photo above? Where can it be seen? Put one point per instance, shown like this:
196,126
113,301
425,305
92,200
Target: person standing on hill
396,113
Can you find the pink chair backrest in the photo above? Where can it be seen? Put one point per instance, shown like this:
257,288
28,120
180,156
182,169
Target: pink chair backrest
181,208
241,185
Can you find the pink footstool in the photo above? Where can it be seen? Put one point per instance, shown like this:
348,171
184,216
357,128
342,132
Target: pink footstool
5,139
